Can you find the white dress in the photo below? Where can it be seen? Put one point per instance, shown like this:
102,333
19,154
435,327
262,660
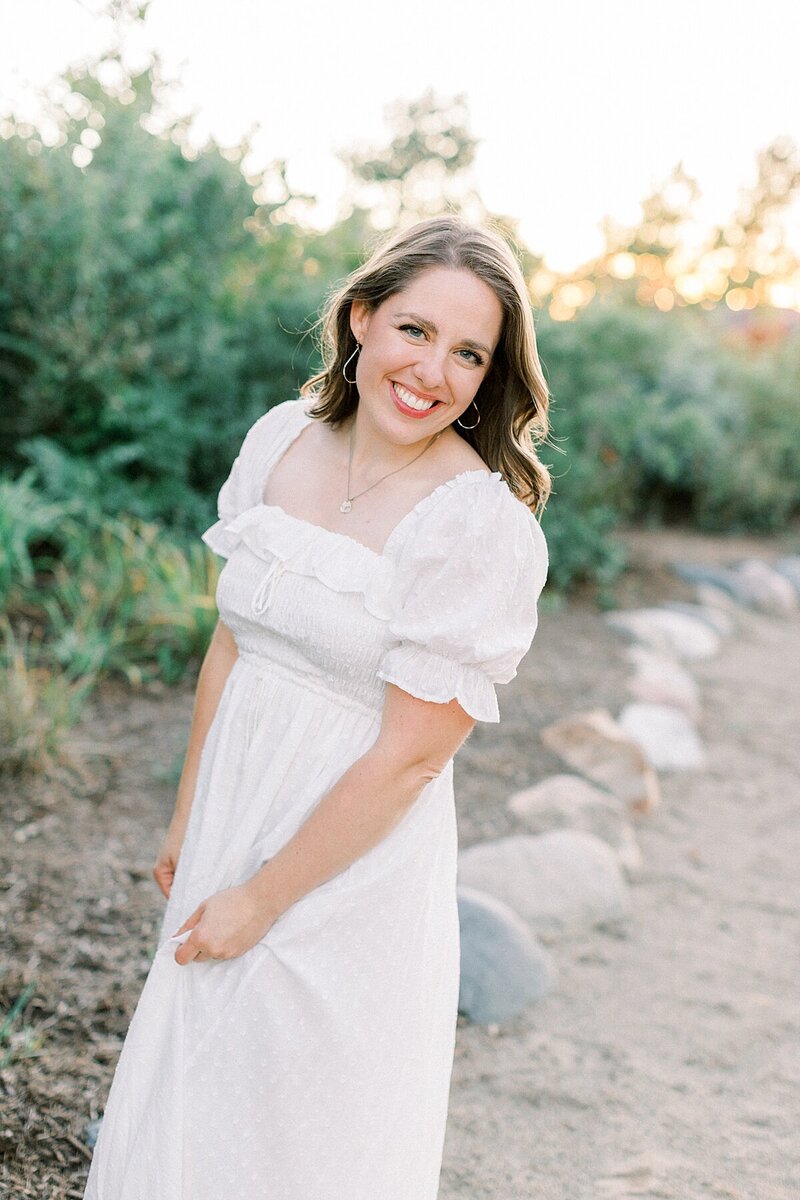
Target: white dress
317,1065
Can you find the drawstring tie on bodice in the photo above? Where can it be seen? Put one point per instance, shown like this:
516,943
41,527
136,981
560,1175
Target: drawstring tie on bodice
262,597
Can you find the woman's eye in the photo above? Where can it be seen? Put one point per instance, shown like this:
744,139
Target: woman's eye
412,329
473,354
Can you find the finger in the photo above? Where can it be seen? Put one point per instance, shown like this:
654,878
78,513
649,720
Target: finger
191,921
187,952
164,880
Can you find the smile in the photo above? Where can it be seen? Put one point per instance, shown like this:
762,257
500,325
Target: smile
408,400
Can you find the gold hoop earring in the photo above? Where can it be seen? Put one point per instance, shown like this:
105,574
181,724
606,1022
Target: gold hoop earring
347,364
477,423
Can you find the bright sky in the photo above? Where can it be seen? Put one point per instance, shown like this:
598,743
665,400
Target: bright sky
582,106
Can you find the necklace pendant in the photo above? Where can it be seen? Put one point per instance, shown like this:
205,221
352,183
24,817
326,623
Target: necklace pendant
345,506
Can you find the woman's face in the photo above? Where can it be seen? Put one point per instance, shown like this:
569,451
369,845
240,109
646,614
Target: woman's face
425,352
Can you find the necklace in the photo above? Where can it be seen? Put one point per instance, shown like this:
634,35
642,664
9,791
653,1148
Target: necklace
347,503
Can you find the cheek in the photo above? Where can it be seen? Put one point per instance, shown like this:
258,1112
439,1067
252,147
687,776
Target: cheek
385,353
467,384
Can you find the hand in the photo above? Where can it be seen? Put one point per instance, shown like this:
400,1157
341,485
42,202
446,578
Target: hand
167,862
225,925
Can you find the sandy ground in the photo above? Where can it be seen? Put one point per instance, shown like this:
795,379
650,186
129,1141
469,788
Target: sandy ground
664,1063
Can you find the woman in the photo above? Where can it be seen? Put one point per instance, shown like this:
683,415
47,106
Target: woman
294,1038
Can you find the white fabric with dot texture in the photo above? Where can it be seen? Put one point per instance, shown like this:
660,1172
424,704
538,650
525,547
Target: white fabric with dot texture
318,1063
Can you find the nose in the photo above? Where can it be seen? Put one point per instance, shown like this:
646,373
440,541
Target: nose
430,368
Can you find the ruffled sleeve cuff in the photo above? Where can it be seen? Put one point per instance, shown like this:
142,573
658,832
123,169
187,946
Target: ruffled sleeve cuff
437,678
219,538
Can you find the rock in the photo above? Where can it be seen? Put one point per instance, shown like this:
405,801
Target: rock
765,589
718,601
503,966
789,568
669,632
569,802
629,853
701,574
561,882
91,1132
659,679
718,620
666,735
594,744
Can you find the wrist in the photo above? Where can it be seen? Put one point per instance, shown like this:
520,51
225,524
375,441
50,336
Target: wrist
264,889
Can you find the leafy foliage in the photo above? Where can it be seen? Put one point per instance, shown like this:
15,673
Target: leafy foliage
155,299
38,706
150,310
661,419
423,168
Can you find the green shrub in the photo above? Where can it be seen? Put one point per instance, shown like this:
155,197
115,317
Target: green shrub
662,418
27,519
126,600
751,476
38,706
155,303
143,326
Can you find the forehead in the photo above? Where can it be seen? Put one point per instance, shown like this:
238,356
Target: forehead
457,302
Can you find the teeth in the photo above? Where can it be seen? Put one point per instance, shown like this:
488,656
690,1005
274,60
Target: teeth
413,401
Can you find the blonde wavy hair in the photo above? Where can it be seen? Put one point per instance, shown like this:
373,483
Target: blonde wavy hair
513,397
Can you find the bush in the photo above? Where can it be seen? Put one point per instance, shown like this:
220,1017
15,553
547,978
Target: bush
38,707
661,419
127,600
27,519
154,304
144,324
751,478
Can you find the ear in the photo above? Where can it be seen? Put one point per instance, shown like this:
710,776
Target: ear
359,319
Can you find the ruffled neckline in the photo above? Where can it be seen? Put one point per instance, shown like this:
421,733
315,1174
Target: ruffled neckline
337,560
418,511
296,424
341,563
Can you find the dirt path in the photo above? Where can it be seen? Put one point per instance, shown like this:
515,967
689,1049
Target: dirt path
665,1062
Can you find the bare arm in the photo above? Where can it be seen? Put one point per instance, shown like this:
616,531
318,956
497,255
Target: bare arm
217,665
416,741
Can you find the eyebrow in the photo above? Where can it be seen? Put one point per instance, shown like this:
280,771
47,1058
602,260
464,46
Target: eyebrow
425,324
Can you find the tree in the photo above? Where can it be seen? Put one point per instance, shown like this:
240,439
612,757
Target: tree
424,167
134,270
666,259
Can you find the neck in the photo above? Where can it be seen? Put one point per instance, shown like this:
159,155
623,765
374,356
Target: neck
372,454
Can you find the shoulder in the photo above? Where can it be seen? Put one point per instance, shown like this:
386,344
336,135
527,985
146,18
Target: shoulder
267,437
281,418
474,521
264,441
475,500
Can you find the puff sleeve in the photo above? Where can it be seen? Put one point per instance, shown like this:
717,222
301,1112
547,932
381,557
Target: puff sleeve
468,580
243,489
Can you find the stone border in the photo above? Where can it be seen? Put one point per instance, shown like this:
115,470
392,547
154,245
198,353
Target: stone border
570,872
